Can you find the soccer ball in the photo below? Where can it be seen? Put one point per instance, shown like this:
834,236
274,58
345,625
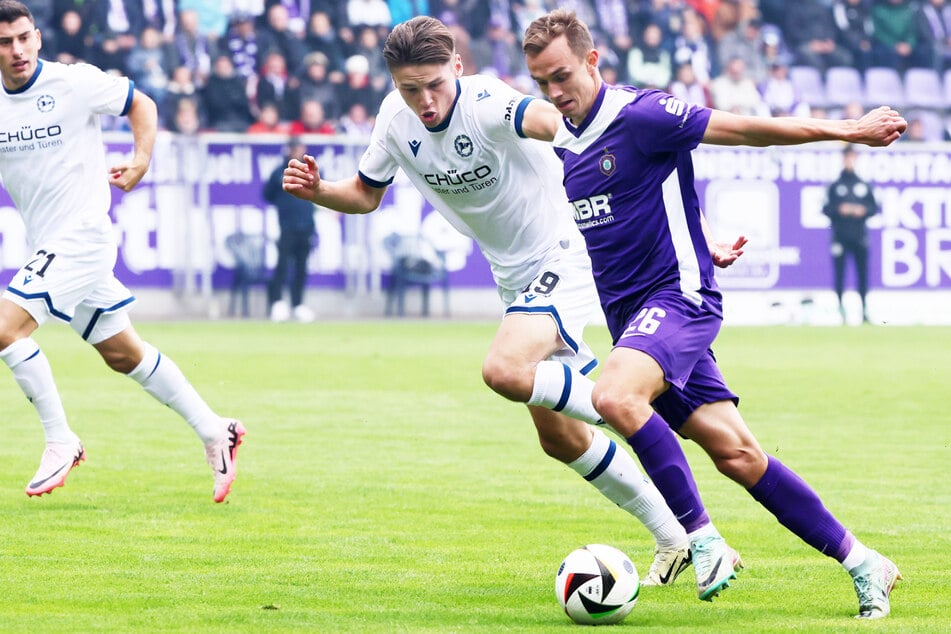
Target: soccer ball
597,584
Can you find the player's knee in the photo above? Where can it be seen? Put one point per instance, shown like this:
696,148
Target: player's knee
624,411
507,379
121,361
743,465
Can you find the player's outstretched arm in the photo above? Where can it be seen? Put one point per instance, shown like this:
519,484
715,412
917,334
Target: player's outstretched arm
879,127
143,119
350,196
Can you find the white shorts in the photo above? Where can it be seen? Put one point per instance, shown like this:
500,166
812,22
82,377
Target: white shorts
564,290
71,278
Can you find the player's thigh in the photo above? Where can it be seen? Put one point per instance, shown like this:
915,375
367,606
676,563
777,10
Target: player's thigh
720,429
629,374
547,318
60,275
104,312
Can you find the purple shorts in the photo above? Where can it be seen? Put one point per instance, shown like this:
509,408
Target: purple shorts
678,334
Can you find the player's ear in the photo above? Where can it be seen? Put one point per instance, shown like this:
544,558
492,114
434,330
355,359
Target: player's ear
591,59
457,64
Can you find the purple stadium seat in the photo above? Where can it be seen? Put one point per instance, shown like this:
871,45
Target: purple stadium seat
844,86
923,89
807,81
883,87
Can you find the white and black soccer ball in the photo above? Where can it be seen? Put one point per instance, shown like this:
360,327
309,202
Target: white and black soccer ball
597,584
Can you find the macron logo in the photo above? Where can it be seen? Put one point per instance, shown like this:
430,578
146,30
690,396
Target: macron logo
483,95
414,146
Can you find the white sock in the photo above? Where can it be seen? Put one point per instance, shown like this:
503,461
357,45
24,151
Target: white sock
559,388
856,556
707,530
161,378
615,474
32,372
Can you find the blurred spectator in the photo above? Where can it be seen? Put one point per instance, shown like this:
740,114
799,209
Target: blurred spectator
322,37
648,63
934,24
735,92
780,95
268,121
692,46
296,221
895,35
161,16
242,44
850,202
276,36
853,25
195,50
273,84
108,54
745,42
915,133
772,47
612,22
525,12
357,88
312,120
668,15
403,10
150,64
810,31
686,87
497,50
225,98
315,84
181,86
368,13
298,13
186,118
211,16
368,45
71,38
472,16
356,122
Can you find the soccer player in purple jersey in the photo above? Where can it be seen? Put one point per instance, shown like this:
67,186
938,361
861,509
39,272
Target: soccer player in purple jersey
629,174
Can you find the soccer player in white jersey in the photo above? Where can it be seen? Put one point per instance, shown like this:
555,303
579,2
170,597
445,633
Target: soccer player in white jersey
459,140
52,162
629,173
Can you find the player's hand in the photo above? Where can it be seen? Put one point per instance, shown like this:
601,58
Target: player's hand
125,176
302,178
879,127
724,254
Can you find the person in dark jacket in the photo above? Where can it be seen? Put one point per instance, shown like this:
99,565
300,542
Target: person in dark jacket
850,201
296,220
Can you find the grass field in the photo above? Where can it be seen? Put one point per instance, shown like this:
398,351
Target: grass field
383,488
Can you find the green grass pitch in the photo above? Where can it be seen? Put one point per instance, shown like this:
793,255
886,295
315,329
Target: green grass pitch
383,488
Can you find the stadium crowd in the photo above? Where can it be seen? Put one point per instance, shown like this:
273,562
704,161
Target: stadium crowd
315,66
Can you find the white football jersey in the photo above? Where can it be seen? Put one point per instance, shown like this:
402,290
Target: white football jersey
501,189
52,159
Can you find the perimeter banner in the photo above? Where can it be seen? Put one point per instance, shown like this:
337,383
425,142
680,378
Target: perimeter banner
172,228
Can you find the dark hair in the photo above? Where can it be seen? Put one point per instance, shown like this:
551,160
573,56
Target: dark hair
422,40
12,10
543,31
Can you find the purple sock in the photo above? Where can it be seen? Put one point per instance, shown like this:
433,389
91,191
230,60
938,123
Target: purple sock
798,508
663,459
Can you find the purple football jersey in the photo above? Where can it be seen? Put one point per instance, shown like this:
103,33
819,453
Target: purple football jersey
629,175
